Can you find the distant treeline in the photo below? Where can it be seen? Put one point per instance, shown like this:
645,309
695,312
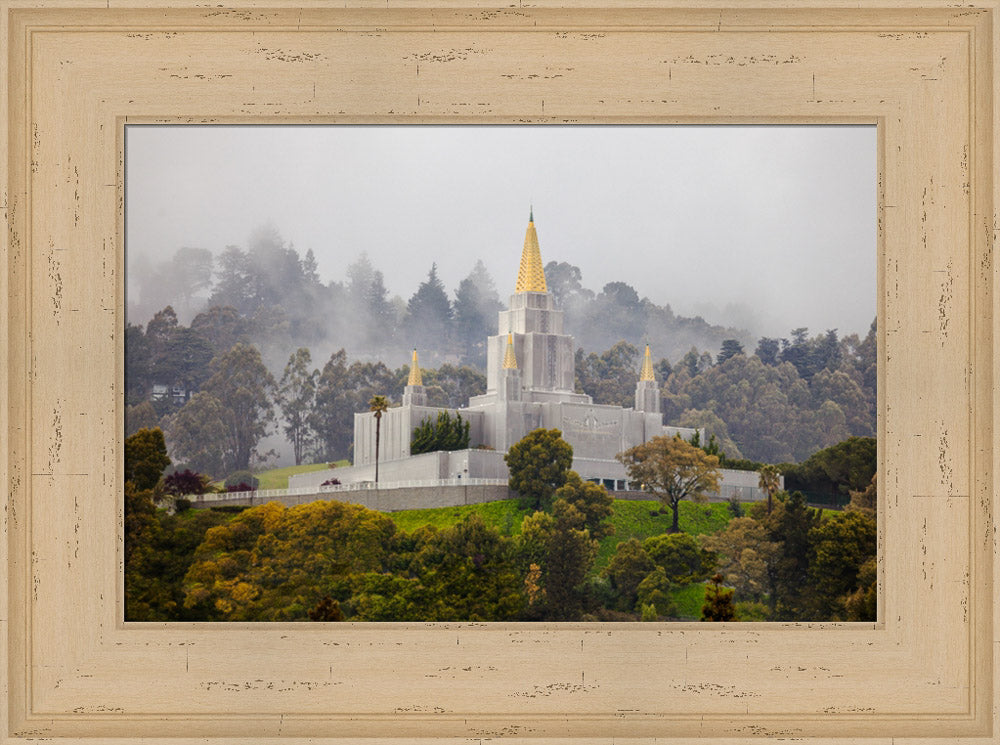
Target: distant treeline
281,304
779,403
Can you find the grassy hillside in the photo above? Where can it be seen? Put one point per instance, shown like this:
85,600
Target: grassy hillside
630,519
637,520
504,515
277,478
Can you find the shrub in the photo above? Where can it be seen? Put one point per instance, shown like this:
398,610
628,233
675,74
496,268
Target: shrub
243,479
182,505
187,481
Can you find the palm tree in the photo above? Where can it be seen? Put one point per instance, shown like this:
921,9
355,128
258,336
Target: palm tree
377,405
769,482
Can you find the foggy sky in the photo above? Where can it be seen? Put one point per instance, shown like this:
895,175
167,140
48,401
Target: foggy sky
778,223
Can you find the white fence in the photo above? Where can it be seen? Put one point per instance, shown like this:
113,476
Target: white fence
263,495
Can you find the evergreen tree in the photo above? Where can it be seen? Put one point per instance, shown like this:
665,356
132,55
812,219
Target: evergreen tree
718,602
730,348
444,433
295,397
429,314
476,306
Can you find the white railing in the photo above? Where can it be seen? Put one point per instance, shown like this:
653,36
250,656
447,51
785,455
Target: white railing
265,494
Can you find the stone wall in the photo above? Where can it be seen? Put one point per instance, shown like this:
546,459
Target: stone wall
384,500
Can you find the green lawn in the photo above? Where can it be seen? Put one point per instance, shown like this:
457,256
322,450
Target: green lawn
633,519
689,599
277,478
630,519
504,515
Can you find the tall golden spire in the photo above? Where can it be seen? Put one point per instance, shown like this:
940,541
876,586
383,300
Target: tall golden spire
415,378
509,360
647,367
531,276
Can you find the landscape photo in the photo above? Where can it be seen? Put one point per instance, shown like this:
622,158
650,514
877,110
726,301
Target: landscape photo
505,373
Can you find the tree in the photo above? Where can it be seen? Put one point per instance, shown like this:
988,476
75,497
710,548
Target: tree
244,389
653,593
199,437
746,556
190,272
235,281
769,481
468,573
181,483
183,360
378,405
539,464
158,331
138,357
593,502
672,469
790,525
718,602
629,566
768,350
730,348
140,416
221,326
840,546
564,282
276,563
296,397
833,472
680,556
475,308
866,500
562,546
145,458
332,416
429,314
611,377
444,433
450,386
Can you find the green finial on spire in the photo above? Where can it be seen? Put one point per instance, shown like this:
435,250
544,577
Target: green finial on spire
531,213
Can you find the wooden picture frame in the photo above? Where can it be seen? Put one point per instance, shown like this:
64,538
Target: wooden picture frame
75,72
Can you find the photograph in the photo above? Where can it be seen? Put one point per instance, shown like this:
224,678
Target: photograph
459,373
498,373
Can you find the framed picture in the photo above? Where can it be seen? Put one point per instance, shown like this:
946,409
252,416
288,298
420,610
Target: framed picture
74,77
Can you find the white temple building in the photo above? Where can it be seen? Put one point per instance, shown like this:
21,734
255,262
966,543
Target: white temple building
529,384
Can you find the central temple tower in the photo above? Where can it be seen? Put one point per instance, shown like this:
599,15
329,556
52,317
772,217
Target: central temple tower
535,329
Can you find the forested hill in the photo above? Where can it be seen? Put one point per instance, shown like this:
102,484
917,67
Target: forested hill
311,354
273,297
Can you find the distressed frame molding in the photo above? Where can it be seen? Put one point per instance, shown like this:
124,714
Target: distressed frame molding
75,72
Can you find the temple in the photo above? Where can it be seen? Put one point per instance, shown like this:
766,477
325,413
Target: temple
529,384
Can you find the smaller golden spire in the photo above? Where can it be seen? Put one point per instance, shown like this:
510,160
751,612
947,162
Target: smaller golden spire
509,360
647,367
415,378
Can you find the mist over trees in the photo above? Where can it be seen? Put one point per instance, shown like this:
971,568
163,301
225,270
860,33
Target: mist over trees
271,295
780,402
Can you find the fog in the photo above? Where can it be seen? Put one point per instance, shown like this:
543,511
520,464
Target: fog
764,228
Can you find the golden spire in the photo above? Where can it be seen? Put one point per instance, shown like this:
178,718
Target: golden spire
647,367
415,378
509,360
531,276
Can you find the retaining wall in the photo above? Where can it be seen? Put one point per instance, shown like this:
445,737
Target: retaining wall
384,500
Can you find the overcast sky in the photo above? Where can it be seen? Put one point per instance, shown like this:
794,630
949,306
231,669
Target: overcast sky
778,223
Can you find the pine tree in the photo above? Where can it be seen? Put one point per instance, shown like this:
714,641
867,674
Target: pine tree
718,602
